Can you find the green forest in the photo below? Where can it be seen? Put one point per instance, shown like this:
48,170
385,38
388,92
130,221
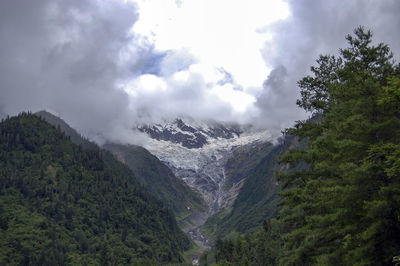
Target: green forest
258,197
61,204
341,194
328,194
158,179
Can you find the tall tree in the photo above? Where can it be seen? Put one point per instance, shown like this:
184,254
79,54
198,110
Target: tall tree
58,201
342,208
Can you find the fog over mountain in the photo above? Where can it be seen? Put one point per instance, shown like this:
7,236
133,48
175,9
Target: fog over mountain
315,28
85,61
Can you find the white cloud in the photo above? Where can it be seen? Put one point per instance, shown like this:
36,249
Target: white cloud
105,64
314,28
238,99
224,34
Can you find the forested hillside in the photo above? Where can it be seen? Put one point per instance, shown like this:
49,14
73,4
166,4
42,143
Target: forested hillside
343,207
74,136
61,204
258,197
148,169
158,179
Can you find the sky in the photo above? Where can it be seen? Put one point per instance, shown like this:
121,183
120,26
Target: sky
106,65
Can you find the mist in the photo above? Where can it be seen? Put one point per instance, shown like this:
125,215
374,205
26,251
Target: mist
315,28
83,61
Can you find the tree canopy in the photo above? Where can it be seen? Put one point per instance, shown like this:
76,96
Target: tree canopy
341,192
343,207
61,204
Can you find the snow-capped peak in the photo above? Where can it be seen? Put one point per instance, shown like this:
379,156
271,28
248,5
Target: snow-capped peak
189,133
197,152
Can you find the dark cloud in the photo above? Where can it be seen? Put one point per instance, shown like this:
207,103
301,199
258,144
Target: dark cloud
174,61
228,78
68,56
187,97
314,28
72,57
149,64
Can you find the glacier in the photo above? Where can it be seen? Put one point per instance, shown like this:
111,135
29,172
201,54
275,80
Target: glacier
202,166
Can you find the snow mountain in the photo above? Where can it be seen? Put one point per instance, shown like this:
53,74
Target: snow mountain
189,133
197,152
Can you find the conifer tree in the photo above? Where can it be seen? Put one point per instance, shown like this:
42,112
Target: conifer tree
343,207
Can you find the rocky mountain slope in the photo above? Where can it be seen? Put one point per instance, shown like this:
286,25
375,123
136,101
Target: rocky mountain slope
150,171
61,204
66,129
229,169
159,179
201,154
258,197
197,152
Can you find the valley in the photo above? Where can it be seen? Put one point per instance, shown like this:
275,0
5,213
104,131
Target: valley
204,172
202,166
147,170
198,153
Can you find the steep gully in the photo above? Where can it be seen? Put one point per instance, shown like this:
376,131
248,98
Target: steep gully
197,153
199,158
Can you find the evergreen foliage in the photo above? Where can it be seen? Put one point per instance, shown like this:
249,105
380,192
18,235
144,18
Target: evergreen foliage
63,205
148,169
158,179
341,197
259,249
66,129
258,198
343,209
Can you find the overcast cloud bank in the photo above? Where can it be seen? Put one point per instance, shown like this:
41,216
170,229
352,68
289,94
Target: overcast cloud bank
81,60
315,28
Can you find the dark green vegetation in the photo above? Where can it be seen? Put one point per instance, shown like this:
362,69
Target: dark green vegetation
260,248
258,197
74,136
61,204
159,179
343,207
148,169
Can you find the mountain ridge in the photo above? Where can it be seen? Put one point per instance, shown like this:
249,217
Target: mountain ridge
233,170
63,204
159,179
189,133
204,168
150,172
201,167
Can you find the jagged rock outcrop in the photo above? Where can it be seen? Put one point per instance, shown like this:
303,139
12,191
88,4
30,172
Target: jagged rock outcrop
197,152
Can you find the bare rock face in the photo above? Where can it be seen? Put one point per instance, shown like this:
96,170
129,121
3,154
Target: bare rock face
189,136
198,152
